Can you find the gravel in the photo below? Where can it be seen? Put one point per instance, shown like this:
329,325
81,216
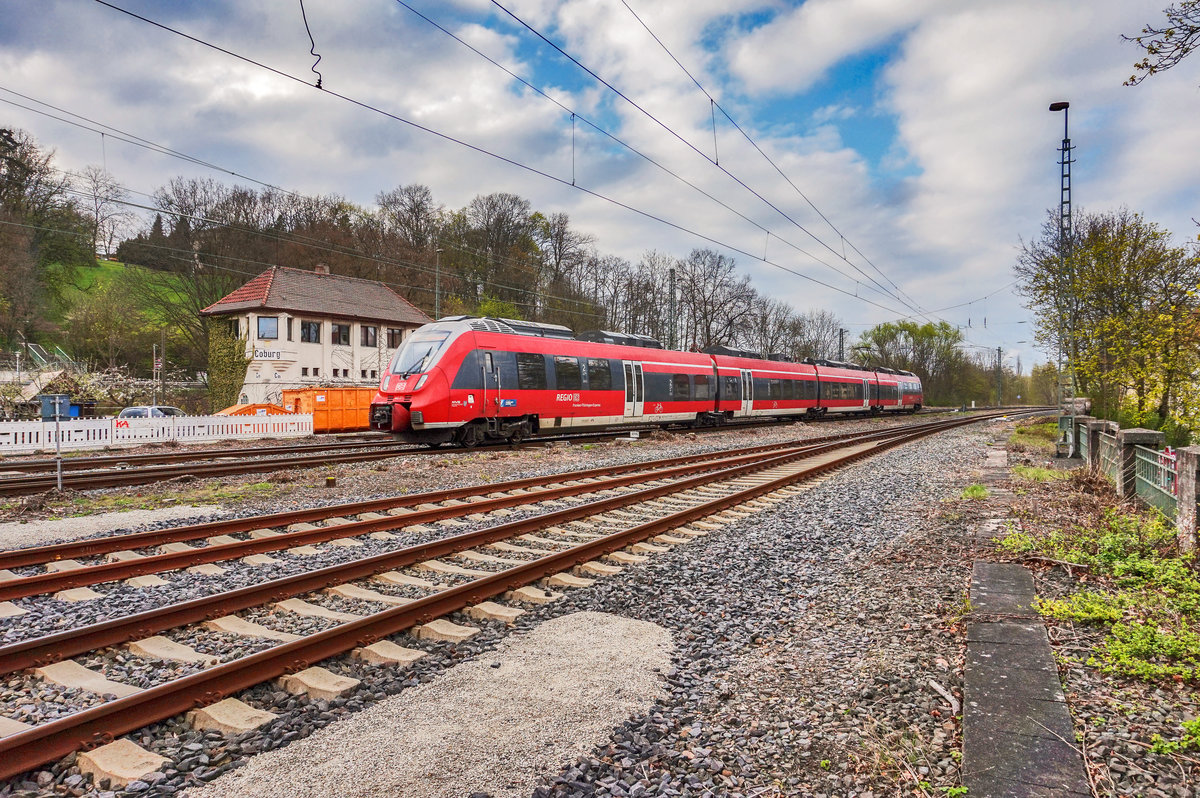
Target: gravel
807,636
18,534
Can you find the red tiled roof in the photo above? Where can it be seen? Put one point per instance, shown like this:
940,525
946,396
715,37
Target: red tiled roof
298,291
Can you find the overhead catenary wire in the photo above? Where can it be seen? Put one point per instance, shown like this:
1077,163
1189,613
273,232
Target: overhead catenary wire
502,158
713,104
693,148
621,142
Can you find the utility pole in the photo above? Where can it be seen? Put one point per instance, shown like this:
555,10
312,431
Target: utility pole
154,374
162,366
671,308
1065,447
842,343
437,283
999,379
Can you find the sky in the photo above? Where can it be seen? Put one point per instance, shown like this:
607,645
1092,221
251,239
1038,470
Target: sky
878,159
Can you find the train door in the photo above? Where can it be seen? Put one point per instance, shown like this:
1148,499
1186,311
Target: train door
866,394
491,386
635,389
747,392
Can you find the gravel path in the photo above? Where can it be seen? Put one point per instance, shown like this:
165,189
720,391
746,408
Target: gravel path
17,534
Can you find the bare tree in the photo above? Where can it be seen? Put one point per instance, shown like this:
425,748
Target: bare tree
410,212
714,302
110,217
815,335
769,327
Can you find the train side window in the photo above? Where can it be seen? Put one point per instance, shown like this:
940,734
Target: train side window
568,376
681,387
531,371
599,374
761,388
703,387
733,388
657,386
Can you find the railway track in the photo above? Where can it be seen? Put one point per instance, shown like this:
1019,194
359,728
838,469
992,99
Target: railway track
572,520
112,471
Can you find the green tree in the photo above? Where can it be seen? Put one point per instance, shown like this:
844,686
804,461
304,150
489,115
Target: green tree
1120,301
1167,45
227,363
931,351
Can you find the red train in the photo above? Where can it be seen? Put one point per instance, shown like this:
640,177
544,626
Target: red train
465,380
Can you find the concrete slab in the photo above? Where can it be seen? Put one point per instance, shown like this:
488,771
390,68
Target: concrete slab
1042,762
174,548
164,648
689,531
303,551
336,521
385,652
9,727
451,523
240,626
259,534
7,575
540,541
648,548
1005,602
346,543
397,578
221,540
1008,633
318,683
491,611
206,569
122,556
10,610
526,550
670,540
382,536
363,594
229,716
441,629
532,595
58,566
625,558
78,594
565,579
121,762
301,607
439,567
70,673
146,580
371,516
259,559
595,568
302,527
479,556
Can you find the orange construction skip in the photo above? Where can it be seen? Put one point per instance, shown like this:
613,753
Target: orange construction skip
333,409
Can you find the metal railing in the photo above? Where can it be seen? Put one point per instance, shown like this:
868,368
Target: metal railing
1155,478
1110,456
1082,443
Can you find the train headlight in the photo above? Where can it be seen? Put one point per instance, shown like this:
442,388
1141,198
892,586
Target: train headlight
420,382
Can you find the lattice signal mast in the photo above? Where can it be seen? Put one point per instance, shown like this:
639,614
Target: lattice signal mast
1066,376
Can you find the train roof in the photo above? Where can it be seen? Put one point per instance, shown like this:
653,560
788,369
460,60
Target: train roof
620,339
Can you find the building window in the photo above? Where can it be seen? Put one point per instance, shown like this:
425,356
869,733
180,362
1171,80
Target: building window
364,374
268,327
374,374
316,372
289,327
304,371
395,337
367,335
233,328
339,334
310,332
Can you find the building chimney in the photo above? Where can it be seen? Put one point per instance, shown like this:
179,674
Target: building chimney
321,268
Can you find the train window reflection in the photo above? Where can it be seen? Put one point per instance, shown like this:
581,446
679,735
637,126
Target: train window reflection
419,352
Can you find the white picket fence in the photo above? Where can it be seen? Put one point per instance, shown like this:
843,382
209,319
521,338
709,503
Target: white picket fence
22,437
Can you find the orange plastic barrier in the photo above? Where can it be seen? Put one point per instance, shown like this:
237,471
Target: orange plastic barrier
333,409
258,409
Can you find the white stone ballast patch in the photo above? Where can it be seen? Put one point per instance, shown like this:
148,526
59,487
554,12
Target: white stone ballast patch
558,690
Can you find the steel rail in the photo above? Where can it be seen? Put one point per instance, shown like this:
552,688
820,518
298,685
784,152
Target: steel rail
100,724
33,555
52,648
157,563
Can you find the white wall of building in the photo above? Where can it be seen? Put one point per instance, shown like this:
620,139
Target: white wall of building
288,361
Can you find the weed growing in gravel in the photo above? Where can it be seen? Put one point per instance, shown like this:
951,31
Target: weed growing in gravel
1034,438
975,491
1148,596
1036,474
1189,738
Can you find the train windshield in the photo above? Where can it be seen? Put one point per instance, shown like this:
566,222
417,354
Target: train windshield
419,352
